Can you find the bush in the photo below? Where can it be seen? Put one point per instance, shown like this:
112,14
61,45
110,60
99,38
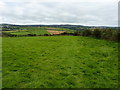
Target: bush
46,34
107,34
31,34
65,33
87,33
96,33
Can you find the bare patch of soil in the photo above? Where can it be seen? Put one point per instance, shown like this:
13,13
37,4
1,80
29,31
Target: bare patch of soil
55,32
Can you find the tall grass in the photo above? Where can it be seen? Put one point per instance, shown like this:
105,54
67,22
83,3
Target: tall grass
59,62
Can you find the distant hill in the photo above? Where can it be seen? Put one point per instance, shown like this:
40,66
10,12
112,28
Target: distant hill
73,27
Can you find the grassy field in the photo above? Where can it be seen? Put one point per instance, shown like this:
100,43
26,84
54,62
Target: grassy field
59,62
25,32
36,30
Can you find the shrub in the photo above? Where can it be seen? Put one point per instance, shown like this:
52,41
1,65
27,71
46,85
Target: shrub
31,34
46,34
87,33
107,34
96,33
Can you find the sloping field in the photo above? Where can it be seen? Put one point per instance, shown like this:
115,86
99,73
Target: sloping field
59,62
38,31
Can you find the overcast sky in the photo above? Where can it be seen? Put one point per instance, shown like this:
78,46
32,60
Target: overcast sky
82,12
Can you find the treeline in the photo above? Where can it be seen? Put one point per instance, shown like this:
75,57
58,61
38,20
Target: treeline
12,35
107,34
9,28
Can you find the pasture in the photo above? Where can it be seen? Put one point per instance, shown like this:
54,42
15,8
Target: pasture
38,31
26,32
59,62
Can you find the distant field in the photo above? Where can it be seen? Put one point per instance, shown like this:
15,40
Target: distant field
36,30
59,62
55,32
60,29
26,32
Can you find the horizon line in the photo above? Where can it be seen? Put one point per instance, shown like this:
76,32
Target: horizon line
61,24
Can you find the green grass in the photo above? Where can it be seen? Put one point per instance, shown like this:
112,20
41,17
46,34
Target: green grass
25,32
59,62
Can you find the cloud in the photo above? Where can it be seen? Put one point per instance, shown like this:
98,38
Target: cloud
51,11
60,1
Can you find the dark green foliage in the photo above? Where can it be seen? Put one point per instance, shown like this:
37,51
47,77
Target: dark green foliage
86,33
31,34
76,33
96,33
107,34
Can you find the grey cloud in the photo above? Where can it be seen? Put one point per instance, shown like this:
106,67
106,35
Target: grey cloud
87,13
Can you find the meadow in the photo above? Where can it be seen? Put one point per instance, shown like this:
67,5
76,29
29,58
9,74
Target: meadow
28,30
36,31
59,62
